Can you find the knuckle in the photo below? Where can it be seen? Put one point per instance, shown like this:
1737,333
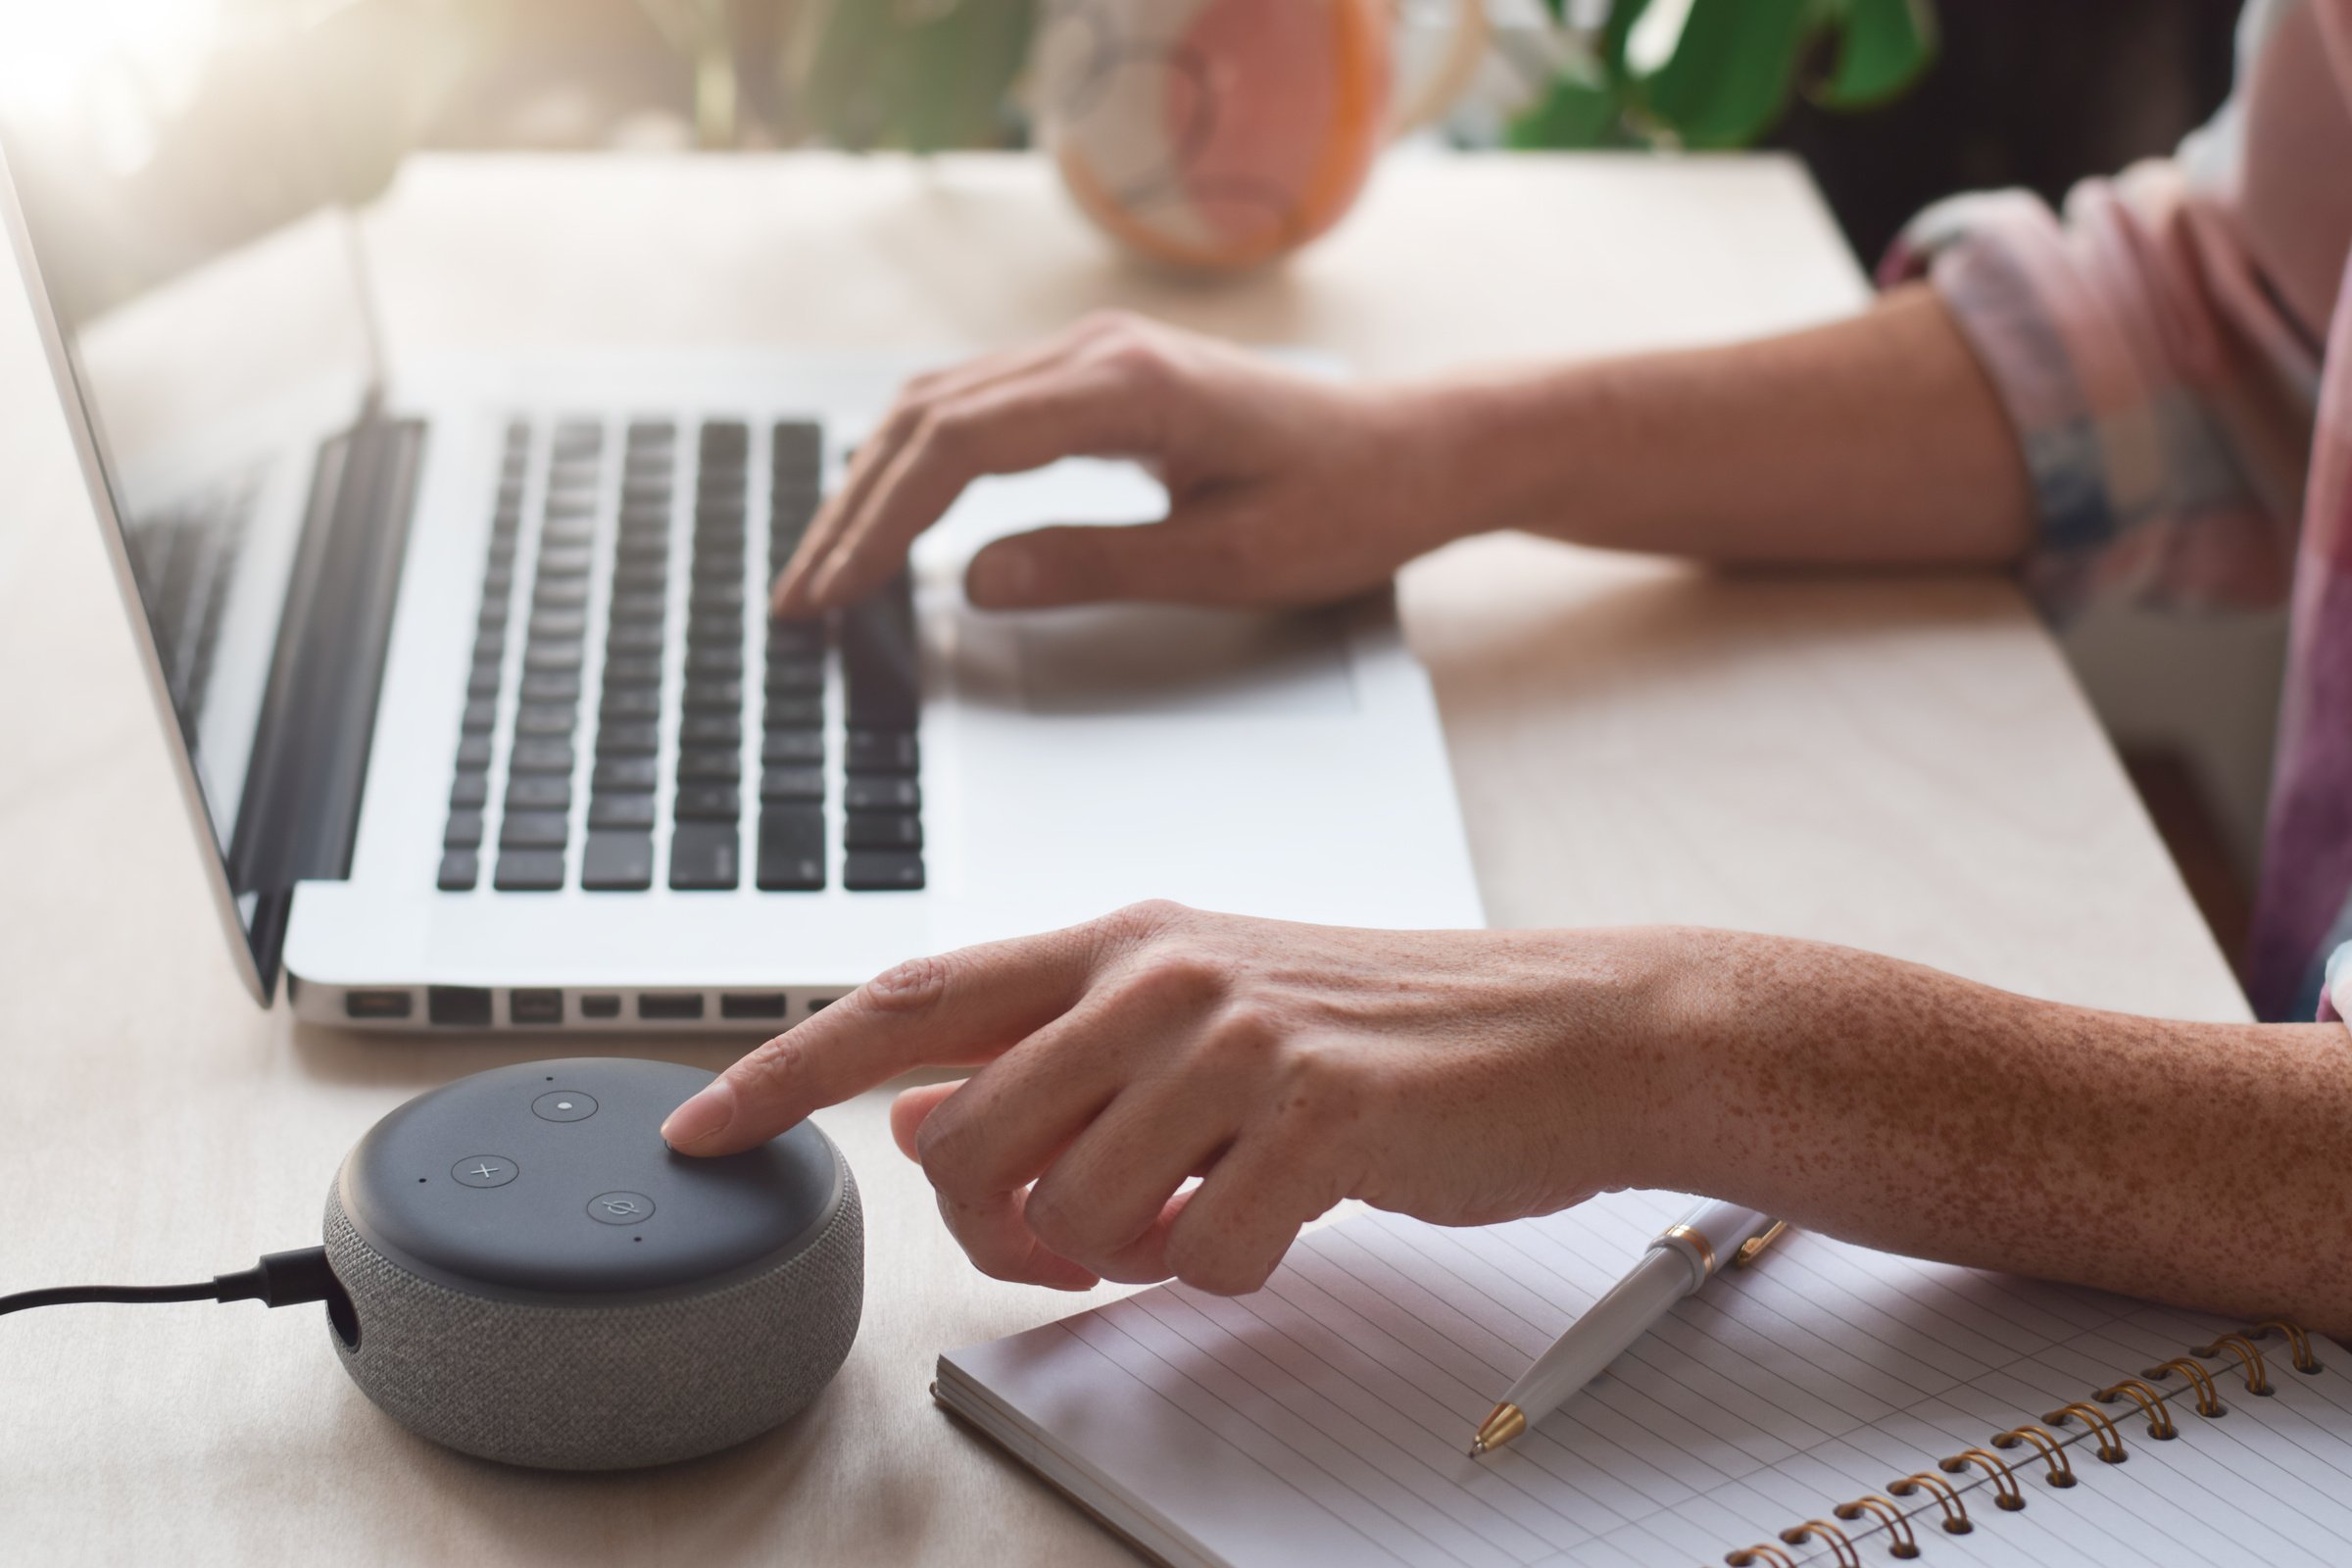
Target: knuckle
1245,1034
1177,975
916,987
1140,922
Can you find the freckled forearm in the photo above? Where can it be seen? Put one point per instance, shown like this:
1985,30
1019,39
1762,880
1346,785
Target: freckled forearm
1901,1107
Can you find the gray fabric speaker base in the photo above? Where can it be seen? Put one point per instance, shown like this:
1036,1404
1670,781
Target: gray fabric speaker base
602,1388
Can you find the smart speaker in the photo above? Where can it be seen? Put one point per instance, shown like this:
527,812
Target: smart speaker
532,1274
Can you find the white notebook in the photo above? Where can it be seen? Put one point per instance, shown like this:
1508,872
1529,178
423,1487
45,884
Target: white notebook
1325,1419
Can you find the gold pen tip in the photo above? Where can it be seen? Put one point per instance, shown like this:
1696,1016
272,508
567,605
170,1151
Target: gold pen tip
1505,1423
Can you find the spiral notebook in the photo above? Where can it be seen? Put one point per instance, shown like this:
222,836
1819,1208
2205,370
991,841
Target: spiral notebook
1830,1405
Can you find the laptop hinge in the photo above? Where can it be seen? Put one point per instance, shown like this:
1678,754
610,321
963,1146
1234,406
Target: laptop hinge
300,809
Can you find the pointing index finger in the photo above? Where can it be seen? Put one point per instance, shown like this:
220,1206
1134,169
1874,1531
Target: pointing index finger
957,1009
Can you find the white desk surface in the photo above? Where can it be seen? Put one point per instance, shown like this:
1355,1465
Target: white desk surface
1899,763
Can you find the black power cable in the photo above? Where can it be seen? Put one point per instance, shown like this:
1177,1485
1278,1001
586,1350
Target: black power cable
279,1279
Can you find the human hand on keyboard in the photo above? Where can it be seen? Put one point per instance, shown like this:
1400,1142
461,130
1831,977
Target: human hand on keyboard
1282,489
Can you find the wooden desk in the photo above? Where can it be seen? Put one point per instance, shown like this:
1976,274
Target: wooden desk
1902,764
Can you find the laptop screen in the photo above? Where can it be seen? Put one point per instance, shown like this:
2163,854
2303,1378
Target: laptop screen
178,219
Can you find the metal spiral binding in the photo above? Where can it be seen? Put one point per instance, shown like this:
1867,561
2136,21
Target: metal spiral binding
1841,1546
1955,1512
2052,1452
1897,1524
2258,1375
2150,1402
2209,1398
2008,1494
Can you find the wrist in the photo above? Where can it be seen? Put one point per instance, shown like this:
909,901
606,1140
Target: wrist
1502,448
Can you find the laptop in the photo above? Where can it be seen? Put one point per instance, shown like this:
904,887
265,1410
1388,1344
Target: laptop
477,707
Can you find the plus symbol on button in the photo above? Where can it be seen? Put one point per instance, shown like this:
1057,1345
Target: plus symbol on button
485,1170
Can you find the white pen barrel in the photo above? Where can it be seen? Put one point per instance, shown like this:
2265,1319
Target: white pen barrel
1634,1305
1709,1236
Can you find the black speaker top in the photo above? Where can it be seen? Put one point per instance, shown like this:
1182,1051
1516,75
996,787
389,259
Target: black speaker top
550,1181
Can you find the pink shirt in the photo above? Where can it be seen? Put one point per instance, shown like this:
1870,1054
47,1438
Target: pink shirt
2176,352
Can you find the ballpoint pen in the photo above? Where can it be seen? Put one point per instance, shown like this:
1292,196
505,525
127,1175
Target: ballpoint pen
1683,1257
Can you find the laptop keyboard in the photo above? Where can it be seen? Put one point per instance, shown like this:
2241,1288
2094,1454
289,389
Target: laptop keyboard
709,765
184,557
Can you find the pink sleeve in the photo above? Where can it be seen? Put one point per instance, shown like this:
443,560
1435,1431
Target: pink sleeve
2162,400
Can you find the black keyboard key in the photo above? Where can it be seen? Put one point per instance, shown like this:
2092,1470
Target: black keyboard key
551,686
498,582
867,792
560,594
529,870
557,657
710,765
635,637
792,784
617,862
470,790
711,729
880,751
799,445
534,830
483,683
481,713
627,608
539,792
795,637
473,752
716,599
704,855
882,830
617,809
725,662
464,830
489,648
795,674
709,694
794,713
631,773
546,719
880,661
636,738
708,803
564,561
633,669
791,848
710,628
792,748
643,552
640,577
493,616
459,870
569,528
540,757
882,872
727,438
631,702
557,625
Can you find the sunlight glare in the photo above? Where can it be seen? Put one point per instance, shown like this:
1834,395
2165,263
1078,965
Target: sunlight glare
53,52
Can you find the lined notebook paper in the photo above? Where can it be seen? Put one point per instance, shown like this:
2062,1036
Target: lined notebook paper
1324,1419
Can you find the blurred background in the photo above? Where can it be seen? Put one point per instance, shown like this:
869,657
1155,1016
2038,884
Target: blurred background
1891,103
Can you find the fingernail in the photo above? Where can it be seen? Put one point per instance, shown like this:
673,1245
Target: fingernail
701,1118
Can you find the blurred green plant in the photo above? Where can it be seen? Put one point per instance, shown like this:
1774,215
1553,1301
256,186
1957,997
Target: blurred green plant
1713,73
1695,74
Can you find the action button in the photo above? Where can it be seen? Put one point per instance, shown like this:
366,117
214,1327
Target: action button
484,1170
564,1104
620,1209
